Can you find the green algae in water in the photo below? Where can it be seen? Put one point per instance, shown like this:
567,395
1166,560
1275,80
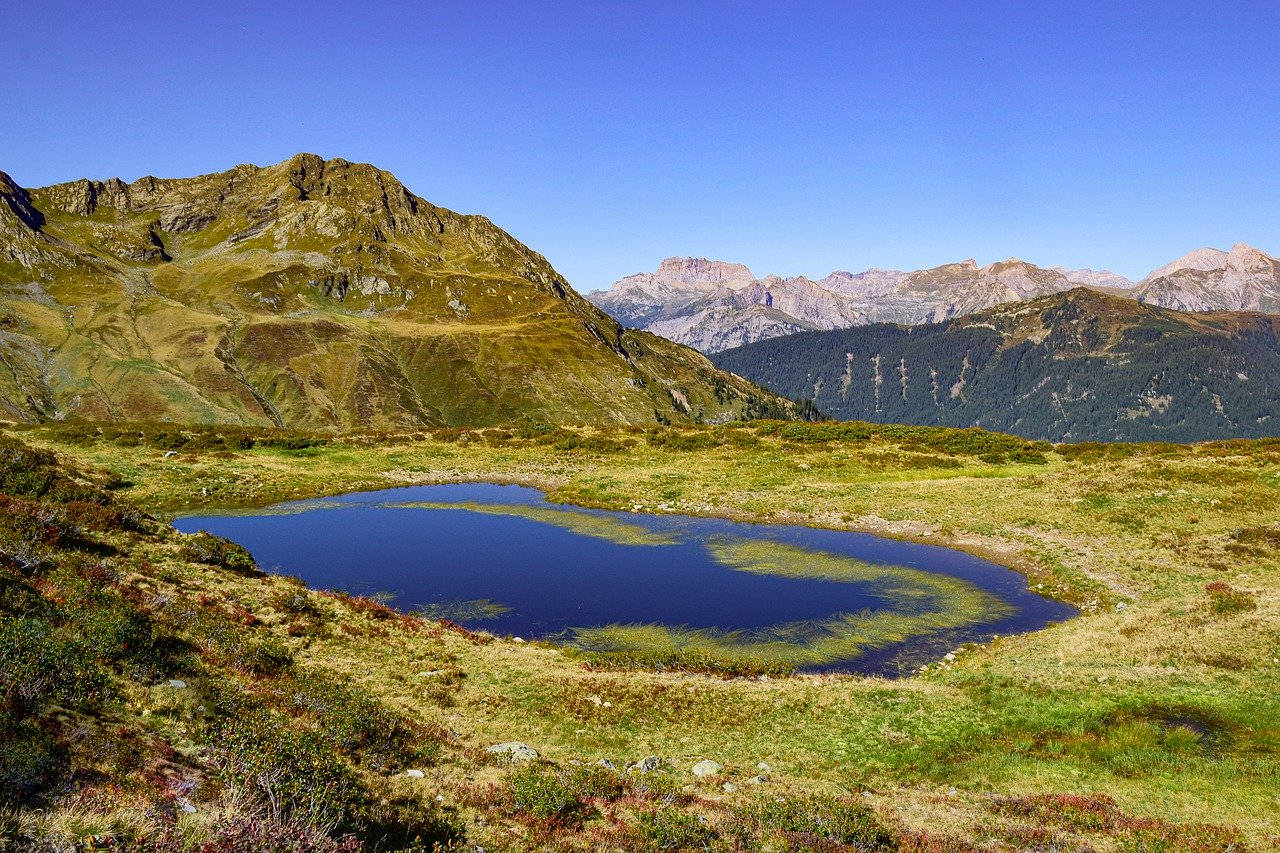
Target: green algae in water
469,610
920,602
574,521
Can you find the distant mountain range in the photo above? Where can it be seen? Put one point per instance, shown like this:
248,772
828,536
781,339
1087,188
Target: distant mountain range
712,306
313,293
1071,366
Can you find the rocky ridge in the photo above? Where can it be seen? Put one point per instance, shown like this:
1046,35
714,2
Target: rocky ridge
682,302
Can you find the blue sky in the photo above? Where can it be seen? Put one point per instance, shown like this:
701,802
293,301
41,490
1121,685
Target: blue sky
795,138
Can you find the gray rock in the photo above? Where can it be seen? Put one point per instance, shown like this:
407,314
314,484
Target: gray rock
414,774
648,764
759,779
513,751
705,768
607,764
763,767
177,683
729,787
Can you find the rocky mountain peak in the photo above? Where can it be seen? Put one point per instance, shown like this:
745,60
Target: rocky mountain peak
1246,257
694,271
1205,259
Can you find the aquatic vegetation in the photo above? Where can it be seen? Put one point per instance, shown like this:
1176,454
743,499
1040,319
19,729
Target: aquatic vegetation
917,603
469,610
575,521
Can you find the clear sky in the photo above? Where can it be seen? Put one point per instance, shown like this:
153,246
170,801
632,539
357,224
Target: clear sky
794,137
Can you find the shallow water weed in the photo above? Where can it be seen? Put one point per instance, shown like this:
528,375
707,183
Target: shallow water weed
595,526
919,602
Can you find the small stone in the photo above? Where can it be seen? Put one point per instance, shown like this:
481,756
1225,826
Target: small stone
607,765
867,794
705,768
729,787
517,639
188,808
513,751
177,684
431,673
648,764
951,792
759,779
763,766
949,656
1121,606
414,774
170,453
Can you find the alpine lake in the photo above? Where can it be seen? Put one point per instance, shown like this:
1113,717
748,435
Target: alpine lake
502,559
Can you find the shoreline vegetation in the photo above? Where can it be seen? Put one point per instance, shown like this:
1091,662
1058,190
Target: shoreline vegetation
1148,723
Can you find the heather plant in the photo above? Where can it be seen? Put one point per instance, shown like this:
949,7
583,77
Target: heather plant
802,823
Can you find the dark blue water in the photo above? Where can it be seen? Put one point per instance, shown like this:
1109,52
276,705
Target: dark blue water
555,580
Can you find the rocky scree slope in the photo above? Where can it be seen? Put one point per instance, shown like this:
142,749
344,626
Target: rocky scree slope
1075,366
312,294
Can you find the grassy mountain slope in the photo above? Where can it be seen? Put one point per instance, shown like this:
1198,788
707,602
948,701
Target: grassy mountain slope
1076,366
312,293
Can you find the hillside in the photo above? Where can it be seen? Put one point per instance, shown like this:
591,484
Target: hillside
317,294
1077,366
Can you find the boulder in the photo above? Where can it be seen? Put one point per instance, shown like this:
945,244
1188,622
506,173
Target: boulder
513,751
705,768
648,764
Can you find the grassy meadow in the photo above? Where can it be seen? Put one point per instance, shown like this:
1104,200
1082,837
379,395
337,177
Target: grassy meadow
1149,723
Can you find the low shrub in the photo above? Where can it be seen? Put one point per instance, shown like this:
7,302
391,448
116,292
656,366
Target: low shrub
40,664
1225,601
204,547
539,791
32,762
668,828
291,775
803,822
683,440
358,724
216,634
1161,837
1081,813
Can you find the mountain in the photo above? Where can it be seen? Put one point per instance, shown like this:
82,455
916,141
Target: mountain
1100,279
711,305
313,293
1073,366
1244,279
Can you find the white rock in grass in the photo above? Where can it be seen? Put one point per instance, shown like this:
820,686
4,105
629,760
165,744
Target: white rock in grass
705,768
414,774
513,751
